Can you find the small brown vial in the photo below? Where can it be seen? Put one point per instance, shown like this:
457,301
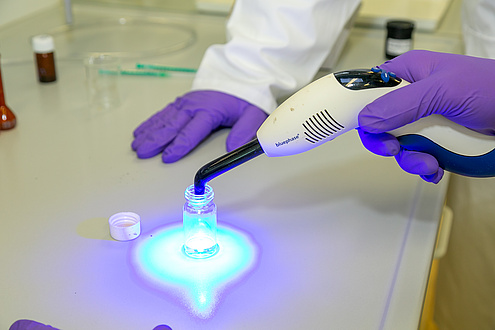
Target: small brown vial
43,47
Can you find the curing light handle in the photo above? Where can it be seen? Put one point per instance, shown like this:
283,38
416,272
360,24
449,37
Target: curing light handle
224,163
329,107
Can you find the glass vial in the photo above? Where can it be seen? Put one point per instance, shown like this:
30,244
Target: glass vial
200,223
399,38
44,47
7,117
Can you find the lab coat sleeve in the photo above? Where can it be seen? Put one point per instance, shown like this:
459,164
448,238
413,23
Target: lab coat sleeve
478,25
274,48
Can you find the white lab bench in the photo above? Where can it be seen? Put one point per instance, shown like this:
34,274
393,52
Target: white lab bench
342,239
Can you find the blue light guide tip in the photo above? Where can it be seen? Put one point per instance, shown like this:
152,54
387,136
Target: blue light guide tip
199,224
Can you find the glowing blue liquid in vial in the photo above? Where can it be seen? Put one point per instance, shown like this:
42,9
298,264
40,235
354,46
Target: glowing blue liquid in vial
200,224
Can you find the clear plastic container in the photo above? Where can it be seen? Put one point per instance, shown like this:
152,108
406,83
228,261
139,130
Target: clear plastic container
200,223
102,81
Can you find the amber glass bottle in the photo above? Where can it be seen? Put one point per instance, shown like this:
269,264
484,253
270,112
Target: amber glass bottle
7,117
43,47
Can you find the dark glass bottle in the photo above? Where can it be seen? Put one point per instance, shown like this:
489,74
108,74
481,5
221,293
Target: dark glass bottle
44,48
399,38
7,117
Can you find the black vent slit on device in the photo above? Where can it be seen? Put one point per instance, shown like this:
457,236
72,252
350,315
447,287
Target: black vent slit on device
320,126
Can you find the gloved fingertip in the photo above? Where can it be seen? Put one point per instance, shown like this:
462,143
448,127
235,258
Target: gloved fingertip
244,130
417,162
30,325
144,151
382,144
435,177
136,143
162,327
174,153
141,129
150,145
169,158
387,147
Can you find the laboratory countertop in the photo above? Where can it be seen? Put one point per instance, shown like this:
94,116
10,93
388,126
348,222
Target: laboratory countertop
335,238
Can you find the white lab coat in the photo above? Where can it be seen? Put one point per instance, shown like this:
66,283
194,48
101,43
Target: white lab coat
478,27
466,278
274,48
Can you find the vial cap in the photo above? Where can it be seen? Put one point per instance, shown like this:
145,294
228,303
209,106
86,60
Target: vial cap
43,43
400,29
125,226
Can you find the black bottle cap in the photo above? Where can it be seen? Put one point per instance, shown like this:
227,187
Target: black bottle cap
399,29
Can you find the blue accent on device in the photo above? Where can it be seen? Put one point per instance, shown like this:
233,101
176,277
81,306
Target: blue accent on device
474,166
385,76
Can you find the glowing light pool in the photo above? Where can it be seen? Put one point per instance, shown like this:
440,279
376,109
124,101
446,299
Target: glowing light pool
161,263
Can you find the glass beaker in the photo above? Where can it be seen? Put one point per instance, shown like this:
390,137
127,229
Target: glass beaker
102,79
200,223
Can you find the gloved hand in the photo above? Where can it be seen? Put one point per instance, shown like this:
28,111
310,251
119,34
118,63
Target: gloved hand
183,124
162,327
29,325
461,88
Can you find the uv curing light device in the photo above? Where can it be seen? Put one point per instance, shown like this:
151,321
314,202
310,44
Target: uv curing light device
329,107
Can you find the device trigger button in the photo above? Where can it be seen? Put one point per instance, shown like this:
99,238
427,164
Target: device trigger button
385,76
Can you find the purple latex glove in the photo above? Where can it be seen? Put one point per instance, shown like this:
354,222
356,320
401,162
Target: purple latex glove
461,88
183,124
162,327
29,325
